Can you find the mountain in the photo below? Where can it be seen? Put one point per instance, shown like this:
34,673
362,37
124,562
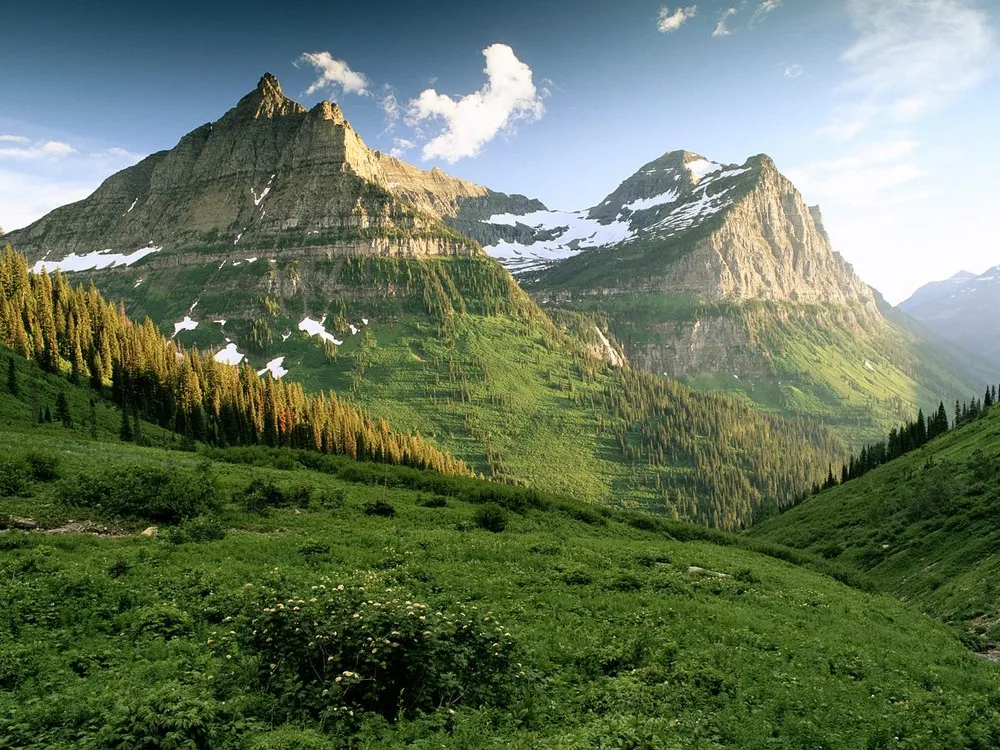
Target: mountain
274,237
722,276
922,527
961,310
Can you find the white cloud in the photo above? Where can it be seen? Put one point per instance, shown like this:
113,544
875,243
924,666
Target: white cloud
868,174
400,146
27,150
764,8
389,105
912,57
475,119
667,21
14,139
794,70
842,130
333,74
720,28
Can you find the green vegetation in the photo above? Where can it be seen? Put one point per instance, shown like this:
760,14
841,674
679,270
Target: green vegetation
314,623
827,363
922,526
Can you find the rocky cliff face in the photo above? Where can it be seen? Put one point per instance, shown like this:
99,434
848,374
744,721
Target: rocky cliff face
268,175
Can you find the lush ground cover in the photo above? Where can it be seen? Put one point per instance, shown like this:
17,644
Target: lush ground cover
471,615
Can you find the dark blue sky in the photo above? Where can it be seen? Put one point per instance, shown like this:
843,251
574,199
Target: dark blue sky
793,79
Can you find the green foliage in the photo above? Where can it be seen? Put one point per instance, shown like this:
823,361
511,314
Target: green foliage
163,494
491,517
197,529
15,476
339,650
380,507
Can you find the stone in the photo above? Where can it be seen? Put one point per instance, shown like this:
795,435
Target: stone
151,531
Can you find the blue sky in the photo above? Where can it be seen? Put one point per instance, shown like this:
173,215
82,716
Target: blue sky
882,112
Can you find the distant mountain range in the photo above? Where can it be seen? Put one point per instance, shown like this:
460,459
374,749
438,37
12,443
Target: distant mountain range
963,309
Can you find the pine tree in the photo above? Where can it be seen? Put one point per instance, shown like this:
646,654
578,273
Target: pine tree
62,410
12,377
125,431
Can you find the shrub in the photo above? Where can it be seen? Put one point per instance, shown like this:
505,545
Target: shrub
491,517
379,508
434,501
172,717
198,529
44,467
15,476
142,492
345,649
260,495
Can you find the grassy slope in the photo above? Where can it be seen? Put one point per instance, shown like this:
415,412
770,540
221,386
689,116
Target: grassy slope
922,527
621,644
859,381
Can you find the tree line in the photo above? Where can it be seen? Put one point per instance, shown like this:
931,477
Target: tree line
77,333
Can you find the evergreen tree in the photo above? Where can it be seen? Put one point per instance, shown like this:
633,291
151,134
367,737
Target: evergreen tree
62,410
12,385
125,431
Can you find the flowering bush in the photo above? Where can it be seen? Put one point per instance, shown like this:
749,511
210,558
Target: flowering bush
345,649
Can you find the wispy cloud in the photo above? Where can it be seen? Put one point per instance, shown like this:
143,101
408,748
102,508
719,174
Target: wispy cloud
400,146
473,120
868,173
334,74
912,57
794,70
765,8
39,175
668,21
721,29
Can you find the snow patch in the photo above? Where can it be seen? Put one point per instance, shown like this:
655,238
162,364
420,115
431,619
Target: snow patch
284,336
131,207
136,284
252,260
701,167
185,325
274,367
354,330
229,355
657,200
364,321
314,328
221,321
93,261
258,199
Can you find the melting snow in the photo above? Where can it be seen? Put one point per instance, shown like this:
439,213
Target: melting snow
284,336
313,328
221,322
701,167
657,200
229,355
185,325
236,240
578,232
131,207
275,368
95,260
257,199
354,331
364,321
137,283
252,260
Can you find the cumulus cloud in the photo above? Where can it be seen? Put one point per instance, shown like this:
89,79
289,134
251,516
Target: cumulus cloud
26,149
721,29
473,120
400,146
667,21
333,74
794,70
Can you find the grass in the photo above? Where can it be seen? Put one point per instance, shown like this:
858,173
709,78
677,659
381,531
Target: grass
921,527
622,634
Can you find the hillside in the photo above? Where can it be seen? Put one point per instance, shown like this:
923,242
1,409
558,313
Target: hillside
721,275
921,527
285,610
961,310
346,272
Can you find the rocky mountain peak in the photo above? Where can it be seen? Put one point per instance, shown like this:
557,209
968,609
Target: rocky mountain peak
266,101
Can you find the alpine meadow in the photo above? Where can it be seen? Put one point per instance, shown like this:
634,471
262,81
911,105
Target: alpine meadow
316,440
